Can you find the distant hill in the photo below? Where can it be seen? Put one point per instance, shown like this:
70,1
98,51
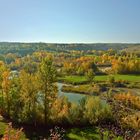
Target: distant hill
28,48
133,49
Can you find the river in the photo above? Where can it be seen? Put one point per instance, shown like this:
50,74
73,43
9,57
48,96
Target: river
72,97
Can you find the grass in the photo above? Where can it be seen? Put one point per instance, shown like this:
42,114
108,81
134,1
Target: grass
75,78
83,134
131,78
88,133
3,126
80,79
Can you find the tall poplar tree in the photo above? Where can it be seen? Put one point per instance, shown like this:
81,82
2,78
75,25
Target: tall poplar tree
47,75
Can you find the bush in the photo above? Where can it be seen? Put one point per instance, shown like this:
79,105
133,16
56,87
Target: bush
132,121
90,110
111,79
75,114
128,100
60,111
96,110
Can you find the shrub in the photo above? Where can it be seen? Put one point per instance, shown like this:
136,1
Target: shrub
129,100
108,135
132,121
90,75
96,110
111,79
74,114
60,110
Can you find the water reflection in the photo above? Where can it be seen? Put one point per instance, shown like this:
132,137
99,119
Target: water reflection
72,97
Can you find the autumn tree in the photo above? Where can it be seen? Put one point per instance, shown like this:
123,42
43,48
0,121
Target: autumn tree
2,69
29,95
126,66
60,110
9,92
6,85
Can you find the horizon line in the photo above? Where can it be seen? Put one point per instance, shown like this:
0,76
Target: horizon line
69,42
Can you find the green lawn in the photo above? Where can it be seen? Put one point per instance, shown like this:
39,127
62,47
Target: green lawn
78,79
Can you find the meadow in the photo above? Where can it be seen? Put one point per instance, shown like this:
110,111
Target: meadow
80,79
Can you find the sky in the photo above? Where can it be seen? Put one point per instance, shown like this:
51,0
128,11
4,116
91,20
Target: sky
70,21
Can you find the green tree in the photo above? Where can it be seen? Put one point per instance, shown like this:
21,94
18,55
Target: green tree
111,80
90,75
15,101
47,76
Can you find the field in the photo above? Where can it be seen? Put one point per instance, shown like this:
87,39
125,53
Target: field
80,79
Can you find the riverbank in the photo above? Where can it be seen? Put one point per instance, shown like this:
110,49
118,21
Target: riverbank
71,96
97,89
93,89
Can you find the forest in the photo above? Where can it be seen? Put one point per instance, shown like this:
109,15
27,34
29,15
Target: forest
69,91
23,49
